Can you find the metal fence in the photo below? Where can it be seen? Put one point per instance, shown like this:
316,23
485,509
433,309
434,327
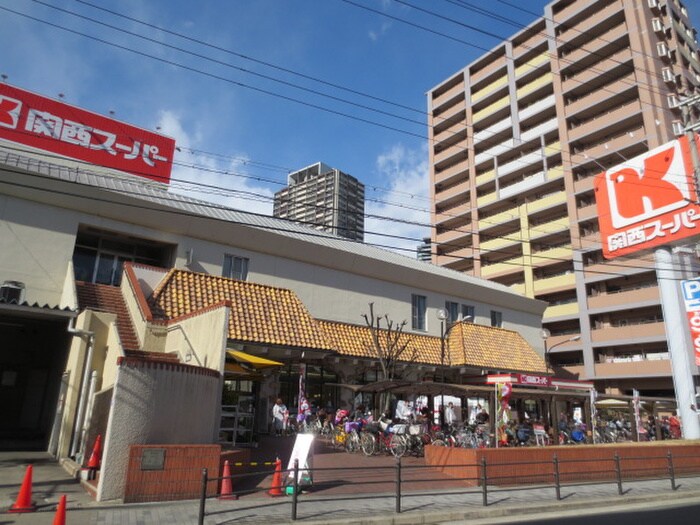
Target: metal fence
559,473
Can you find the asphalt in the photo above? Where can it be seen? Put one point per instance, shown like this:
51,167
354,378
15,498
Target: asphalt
441,505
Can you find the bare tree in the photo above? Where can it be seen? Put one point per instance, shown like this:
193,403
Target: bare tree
389,345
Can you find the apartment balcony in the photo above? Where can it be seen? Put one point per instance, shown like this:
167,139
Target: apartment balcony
454,171
455,236
548,228
533,181
451,192
624,299
592,99
485,177
643,368
449,112
570,371
519,163
450,214
583,185
587,212
593,19
552,256
533,63
590,241
606,270
504,241
597,45
548,201
557,172
503,268
565,281
538,107
448,95
509,215
486,199
681,31
560,310
494,151
518,287
601,122
689,57
489,132
454,256
489,88
605,147
492,65
596,70
451,151
534,85
539,130
535,40
563,342
459,127
655,331
491,108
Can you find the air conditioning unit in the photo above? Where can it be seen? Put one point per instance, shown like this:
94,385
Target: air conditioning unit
677,127
12,292
662,49
672,101
667,74
653,4
657,25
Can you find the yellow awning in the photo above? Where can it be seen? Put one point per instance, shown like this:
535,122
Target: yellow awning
253,360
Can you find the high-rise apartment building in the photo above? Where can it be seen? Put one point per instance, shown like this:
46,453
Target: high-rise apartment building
324,198
517,137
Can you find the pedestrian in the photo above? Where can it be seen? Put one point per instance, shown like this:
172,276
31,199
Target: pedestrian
279,411
450,416
482,417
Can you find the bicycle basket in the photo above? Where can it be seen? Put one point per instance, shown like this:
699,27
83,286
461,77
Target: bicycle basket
372,427
399,428
415,430
351,425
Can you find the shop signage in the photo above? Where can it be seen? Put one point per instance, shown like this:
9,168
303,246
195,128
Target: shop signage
532,380
62,129
691,298
647,201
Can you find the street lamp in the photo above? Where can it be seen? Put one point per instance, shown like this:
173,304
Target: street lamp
445,327
545,335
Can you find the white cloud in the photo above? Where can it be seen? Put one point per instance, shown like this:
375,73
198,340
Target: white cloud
375,35
404,200
217,179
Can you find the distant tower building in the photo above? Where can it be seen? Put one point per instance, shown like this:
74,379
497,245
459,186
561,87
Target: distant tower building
324,198
423,252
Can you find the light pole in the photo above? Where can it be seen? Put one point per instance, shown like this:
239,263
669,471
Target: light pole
545,335
445,327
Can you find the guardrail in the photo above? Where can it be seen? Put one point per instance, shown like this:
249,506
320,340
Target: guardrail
614,470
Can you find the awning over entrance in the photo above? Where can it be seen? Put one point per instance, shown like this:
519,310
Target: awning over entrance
258,363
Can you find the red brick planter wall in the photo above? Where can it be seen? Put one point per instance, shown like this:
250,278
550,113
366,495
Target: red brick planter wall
533,465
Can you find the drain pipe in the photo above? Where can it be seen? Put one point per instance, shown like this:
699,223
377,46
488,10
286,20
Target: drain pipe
84,385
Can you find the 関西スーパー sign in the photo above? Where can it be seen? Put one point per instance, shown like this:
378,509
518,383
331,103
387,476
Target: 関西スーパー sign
648,201
49,125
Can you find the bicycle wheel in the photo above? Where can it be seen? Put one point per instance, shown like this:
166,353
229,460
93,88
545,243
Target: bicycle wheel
352,442
368,443
397,445
439,443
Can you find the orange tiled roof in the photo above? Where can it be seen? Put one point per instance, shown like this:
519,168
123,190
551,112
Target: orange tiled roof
355,340
260,314
493,349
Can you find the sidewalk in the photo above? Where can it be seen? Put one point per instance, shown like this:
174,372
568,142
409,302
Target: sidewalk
439,505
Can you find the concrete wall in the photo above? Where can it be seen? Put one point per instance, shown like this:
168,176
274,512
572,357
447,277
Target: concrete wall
156,403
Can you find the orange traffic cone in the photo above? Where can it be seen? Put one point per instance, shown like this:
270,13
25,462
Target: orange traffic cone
227,484
60,517
95,458
276,489
24,501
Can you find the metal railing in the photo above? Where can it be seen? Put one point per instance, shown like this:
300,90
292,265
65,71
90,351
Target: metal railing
488,478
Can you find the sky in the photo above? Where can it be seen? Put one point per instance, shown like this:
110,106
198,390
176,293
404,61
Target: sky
254,89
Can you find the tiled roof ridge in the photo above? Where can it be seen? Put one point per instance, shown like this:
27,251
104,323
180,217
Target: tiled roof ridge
403,332
203,310
162,284
250,284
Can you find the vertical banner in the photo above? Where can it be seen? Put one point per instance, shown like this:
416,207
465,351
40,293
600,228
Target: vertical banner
594,415
503,392
635,404
303,405
691,298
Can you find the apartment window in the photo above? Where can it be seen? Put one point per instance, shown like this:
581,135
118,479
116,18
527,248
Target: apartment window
496,319
452,310
418,308
235,267
468,313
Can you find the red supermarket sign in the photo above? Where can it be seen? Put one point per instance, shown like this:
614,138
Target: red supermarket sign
533,380
648,201
49,125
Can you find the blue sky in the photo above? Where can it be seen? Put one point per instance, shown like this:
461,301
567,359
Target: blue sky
259,129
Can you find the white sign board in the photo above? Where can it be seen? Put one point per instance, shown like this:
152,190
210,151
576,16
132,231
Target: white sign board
302,452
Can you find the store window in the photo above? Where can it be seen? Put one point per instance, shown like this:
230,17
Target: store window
235,267
318,392
418,311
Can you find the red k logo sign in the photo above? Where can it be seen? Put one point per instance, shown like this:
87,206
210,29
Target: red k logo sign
647,201
9,112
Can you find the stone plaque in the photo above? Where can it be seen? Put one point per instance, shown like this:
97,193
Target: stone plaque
152,459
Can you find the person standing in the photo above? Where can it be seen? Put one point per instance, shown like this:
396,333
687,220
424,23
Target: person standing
450,416
279,411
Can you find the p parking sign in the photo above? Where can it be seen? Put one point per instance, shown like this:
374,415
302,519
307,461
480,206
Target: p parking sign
691,298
